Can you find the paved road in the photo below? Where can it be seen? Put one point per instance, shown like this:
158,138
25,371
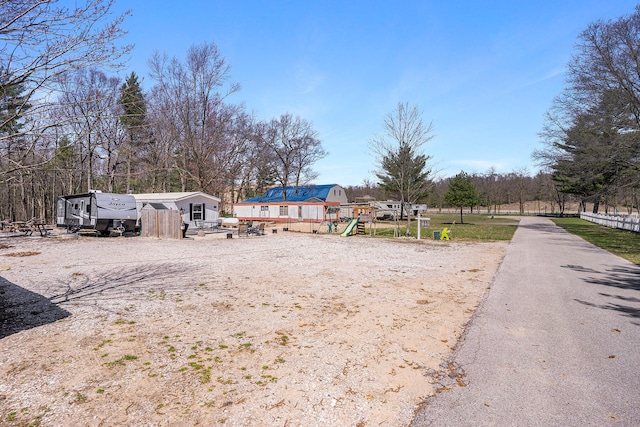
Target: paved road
556,342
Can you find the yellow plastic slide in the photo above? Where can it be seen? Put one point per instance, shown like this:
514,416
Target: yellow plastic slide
349,230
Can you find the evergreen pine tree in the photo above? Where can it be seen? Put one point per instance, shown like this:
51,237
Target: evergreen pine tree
462,192
134,118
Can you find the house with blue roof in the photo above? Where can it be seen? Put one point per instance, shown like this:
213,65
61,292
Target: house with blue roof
310,203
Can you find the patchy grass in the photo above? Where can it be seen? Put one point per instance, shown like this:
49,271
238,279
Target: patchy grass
23,254
79,397
476,227
121,361
625,244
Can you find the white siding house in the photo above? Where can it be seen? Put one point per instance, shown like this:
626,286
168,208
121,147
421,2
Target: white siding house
314,203
195,206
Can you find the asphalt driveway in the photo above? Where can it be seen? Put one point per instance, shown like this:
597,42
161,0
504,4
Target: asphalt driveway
556,341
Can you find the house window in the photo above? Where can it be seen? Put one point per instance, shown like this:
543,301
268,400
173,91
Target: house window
299,211
196,211
264,208
284,210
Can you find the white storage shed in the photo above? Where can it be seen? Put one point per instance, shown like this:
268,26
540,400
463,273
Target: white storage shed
196,206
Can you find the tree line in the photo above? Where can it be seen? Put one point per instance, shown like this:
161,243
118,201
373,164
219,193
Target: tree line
69,125
489,192
591,134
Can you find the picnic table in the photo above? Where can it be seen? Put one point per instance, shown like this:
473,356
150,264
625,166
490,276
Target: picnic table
42,228
28,227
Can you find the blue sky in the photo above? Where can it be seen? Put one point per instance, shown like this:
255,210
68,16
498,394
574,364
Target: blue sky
483,72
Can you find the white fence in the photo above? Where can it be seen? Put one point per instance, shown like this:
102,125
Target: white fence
625,222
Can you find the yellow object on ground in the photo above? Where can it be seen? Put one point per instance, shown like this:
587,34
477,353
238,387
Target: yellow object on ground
445,234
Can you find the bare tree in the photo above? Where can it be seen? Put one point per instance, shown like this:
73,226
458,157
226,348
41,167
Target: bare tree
114,154
157,168
592,131
608,58
89,109
235,139
308,150
188,100
368,190
40,40
521,181
253,169
491,189
402,167
295,147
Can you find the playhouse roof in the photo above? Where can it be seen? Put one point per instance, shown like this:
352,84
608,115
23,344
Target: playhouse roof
305,193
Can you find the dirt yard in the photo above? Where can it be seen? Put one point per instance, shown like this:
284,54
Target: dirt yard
287,329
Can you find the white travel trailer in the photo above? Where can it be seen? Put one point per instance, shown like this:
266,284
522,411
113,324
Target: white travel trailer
102,212
415,209
387,209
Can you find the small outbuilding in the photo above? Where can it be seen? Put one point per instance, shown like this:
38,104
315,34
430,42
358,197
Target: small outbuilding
312,203
158,221
196,206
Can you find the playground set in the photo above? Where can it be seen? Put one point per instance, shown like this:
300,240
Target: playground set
363,215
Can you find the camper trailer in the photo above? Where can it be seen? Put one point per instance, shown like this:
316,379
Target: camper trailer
101,212
389,209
